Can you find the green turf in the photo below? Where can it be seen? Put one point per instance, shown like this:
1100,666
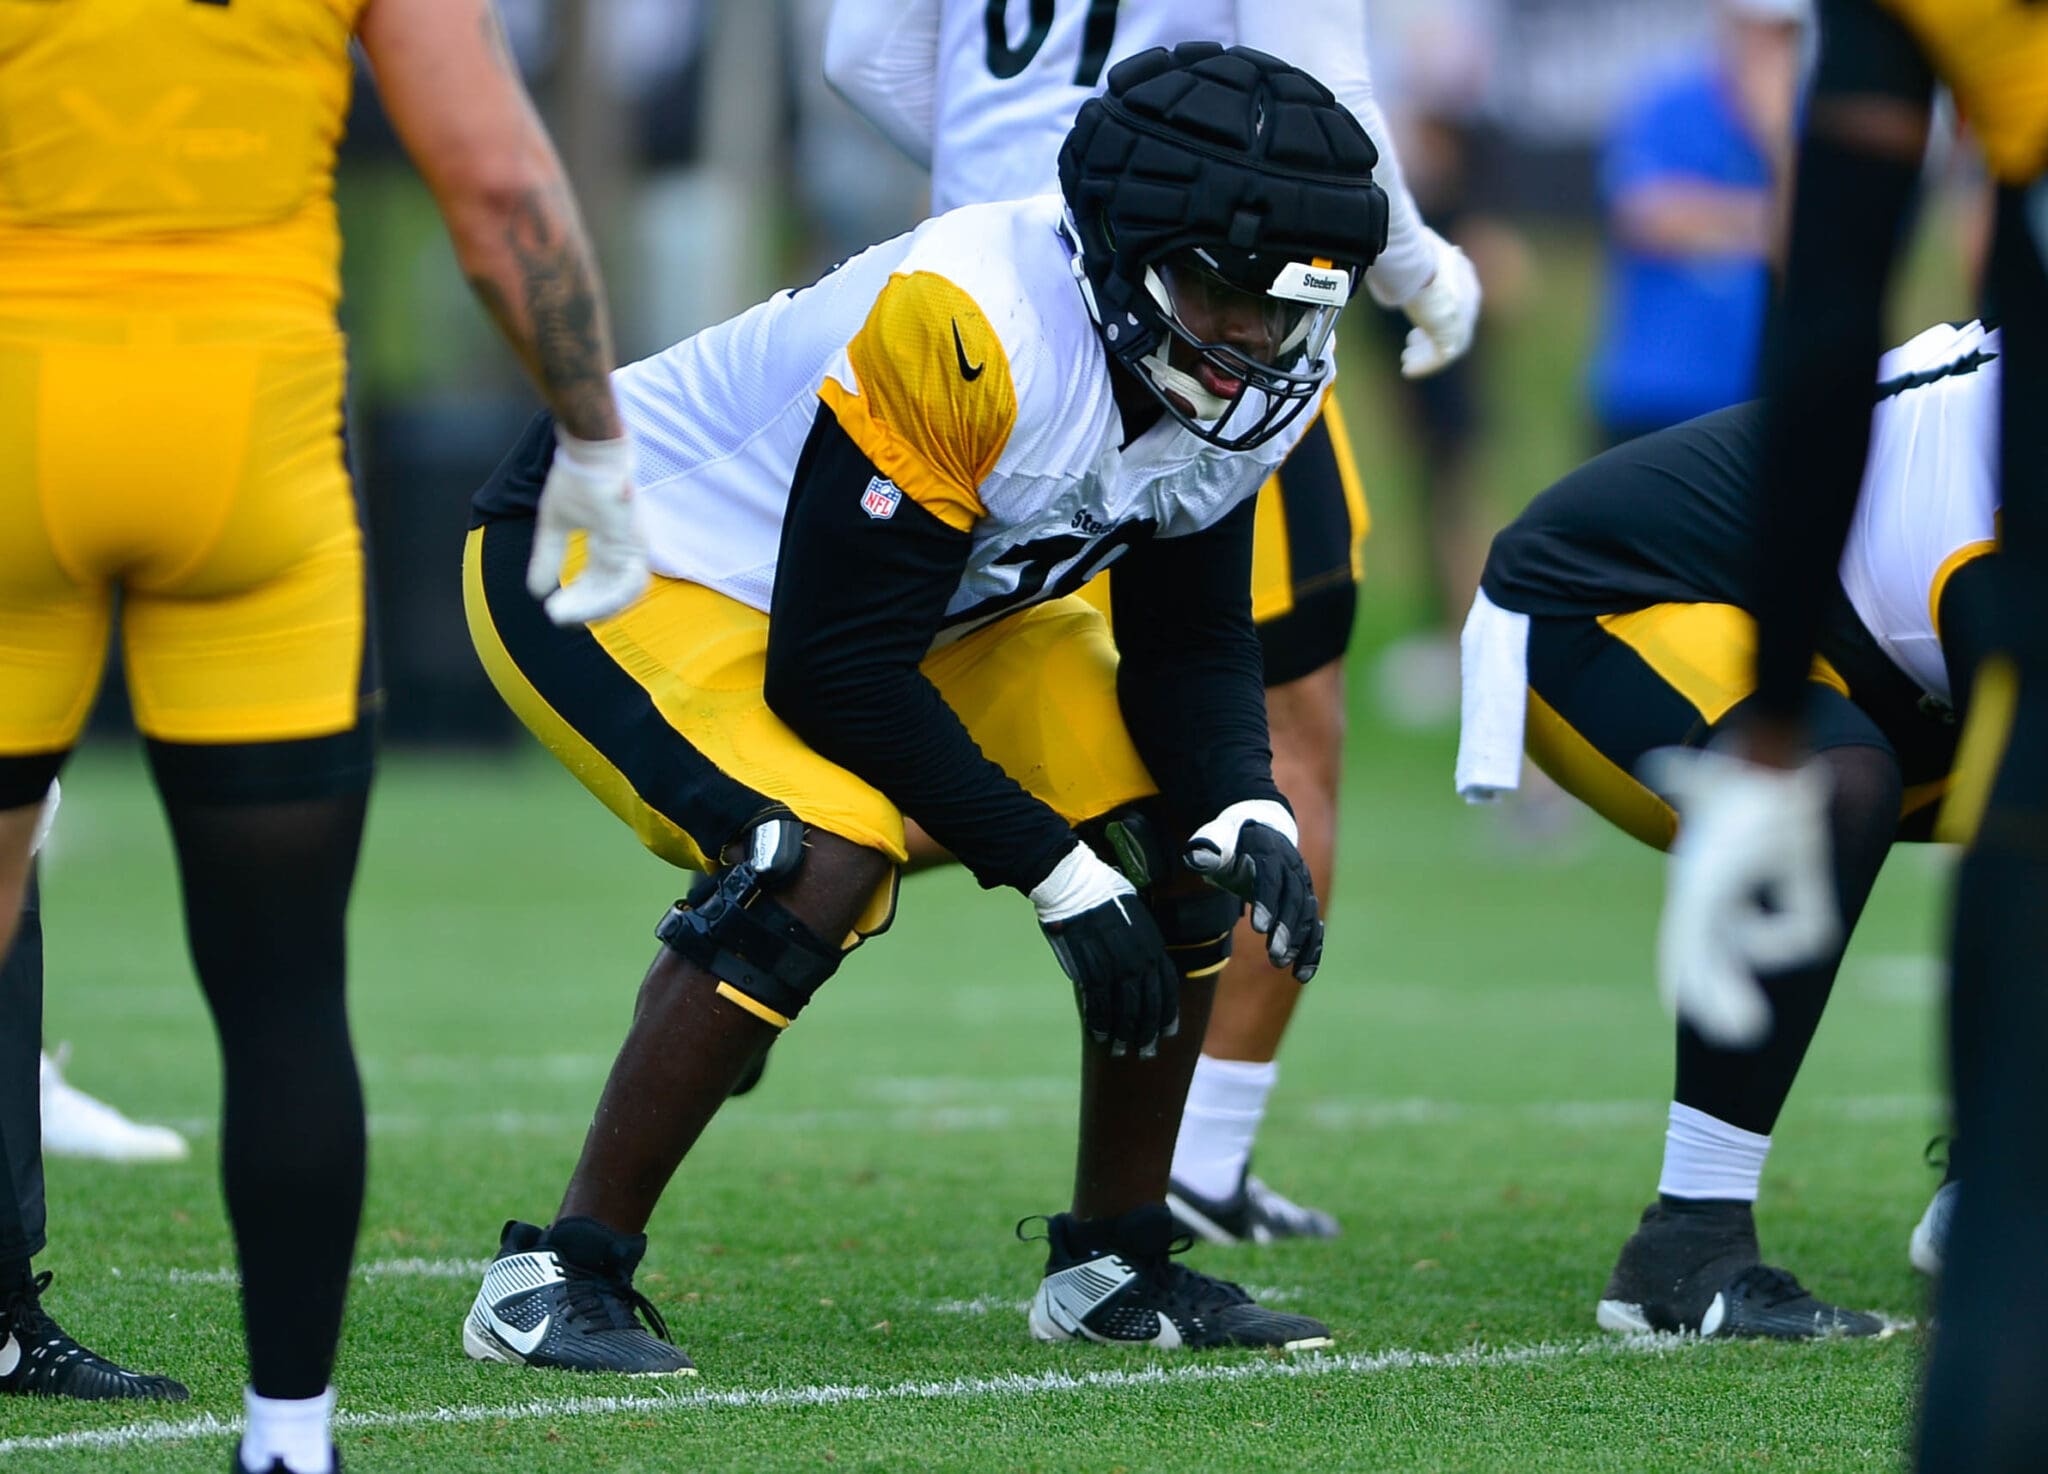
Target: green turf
1477,1088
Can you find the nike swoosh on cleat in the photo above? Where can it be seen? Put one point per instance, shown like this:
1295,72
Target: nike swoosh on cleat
10,1355
968,371
520,1341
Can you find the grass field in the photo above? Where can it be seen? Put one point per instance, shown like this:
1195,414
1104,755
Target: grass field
1476,1087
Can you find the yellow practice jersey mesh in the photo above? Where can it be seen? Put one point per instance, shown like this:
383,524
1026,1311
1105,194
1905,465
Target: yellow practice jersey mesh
151,144
1994,55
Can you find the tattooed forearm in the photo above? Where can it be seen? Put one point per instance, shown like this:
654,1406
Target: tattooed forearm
548,302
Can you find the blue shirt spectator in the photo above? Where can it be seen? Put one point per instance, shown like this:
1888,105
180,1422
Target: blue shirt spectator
1688,177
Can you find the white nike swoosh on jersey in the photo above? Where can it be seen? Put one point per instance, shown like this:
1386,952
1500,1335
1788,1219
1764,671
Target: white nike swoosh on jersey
520,1341
10,1355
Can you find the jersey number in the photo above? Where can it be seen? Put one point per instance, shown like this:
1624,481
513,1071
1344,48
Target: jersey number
1005,61
1036,560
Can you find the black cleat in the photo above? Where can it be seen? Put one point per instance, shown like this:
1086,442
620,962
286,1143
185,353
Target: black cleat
38,1358
1254,1214
564,1298
1693,1268
1115,1281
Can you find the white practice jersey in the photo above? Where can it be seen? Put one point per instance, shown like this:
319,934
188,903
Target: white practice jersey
961,359
984,93
1930,493
1002,108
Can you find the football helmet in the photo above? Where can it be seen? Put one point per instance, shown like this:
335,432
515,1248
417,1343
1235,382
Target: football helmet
1222,209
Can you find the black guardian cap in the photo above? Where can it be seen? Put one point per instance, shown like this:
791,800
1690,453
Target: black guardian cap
1205,166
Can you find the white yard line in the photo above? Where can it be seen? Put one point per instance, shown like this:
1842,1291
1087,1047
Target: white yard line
960,1389
369,1269
1321,1113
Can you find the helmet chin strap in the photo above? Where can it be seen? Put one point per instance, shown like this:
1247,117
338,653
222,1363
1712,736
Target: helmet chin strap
1207,407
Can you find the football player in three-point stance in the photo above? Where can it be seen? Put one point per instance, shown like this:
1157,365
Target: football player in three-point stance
170,426
1747,888
982,95
870,502
1617,608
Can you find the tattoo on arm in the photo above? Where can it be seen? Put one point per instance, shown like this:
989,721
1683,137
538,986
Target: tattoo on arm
557,321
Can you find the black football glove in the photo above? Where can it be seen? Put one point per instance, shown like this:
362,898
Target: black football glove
1109,945
1250,850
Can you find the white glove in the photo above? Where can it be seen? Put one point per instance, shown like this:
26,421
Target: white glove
1444,311
47,819
1746,832
589,490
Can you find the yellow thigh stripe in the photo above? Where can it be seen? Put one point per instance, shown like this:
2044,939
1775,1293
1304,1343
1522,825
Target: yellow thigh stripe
1595,779
591,768
1705,652
1354,485
1980,751
1272,558
1036,690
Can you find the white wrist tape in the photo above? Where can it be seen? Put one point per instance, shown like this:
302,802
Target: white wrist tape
1080,882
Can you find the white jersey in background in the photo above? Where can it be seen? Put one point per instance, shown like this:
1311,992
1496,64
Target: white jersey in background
1930,492
984,91
961,358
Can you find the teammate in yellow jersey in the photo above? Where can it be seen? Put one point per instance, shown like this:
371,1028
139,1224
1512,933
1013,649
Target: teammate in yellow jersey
1748,890
170,417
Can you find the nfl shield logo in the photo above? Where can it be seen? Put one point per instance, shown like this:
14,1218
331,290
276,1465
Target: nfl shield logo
880,499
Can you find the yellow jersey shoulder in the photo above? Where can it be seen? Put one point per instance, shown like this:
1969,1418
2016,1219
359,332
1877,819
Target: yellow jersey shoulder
143,117
931,400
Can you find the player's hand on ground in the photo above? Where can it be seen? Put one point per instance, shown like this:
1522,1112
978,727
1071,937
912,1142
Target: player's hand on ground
1107,941
1749,888
1251,849
589,490
1445,312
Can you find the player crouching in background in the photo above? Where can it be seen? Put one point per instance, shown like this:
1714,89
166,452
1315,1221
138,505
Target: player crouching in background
1613,612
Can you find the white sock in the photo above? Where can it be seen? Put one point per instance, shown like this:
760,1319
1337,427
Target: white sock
294,1429
1705,1157
1226,1102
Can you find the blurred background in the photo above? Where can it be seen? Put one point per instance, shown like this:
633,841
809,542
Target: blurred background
1614,167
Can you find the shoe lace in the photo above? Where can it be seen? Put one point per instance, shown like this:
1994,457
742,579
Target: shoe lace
1203,1292
1942,1144
22,1313
608,1301
1033,1238
1771,1285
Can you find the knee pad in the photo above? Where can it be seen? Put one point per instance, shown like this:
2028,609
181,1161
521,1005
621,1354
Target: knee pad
764,957
1196,919
1198,927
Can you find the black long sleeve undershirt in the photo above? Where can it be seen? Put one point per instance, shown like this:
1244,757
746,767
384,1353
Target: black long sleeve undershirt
1191,682
1848,218
857,601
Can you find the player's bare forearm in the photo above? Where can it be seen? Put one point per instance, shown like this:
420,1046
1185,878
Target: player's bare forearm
533,270
452,89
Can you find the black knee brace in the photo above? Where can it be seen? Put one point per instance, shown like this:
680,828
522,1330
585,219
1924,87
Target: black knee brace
765,959
1198,919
